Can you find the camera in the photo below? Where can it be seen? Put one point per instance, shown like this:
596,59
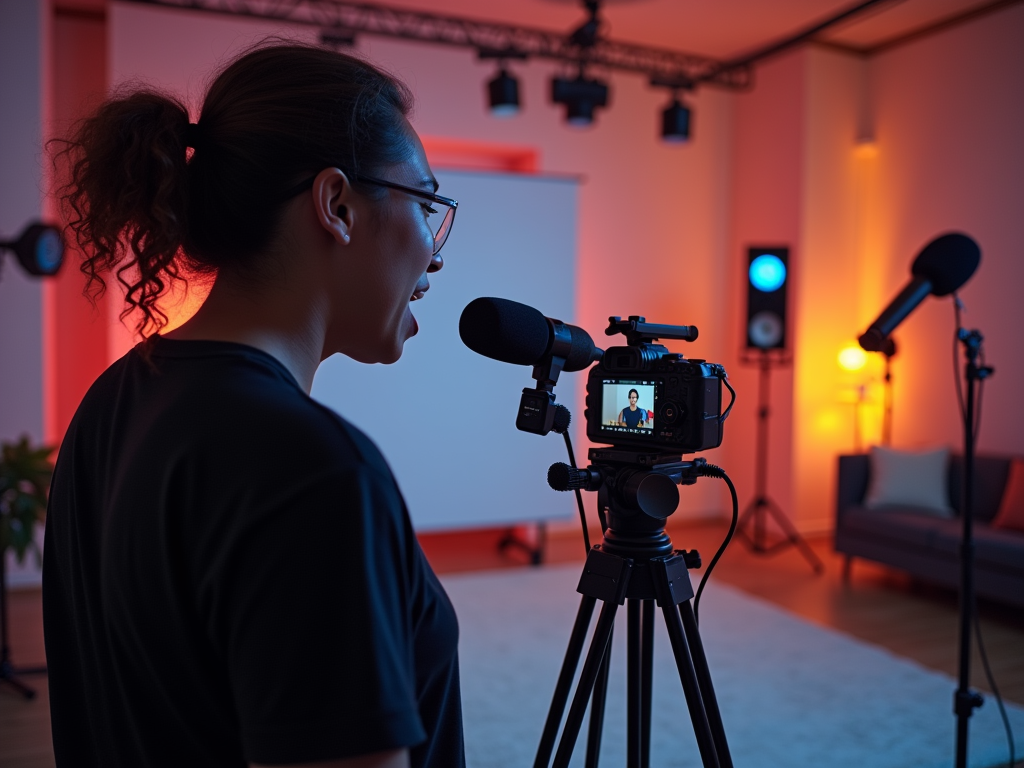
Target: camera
644,397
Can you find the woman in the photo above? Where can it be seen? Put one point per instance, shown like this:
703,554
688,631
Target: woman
231,575
632,416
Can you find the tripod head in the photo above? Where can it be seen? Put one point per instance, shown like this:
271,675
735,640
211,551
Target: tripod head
636,490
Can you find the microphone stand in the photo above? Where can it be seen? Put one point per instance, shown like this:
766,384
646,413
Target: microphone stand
889,351
965,701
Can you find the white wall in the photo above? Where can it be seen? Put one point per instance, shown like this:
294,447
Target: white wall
21,185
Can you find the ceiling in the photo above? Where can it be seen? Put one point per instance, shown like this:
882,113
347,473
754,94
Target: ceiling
720,29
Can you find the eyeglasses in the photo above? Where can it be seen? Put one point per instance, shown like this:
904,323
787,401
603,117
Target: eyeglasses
438,219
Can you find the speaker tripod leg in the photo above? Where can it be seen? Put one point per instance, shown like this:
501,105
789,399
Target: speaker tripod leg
793,536
564,685
707,690
591,668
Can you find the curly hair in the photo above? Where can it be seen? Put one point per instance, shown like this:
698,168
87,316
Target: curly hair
153,199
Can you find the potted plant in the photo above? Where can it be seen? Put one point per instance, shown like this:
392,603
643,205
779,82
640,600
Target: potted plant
25,473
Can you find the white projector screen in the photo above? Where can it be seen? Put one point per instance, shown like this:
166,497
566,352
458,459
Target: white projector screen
444,416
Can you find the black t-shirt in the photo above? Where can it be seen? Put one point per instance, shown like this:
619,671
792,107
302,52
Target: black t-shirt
230,575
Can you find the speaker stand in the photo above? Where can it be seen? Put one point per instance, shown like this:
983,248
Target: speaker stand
762,505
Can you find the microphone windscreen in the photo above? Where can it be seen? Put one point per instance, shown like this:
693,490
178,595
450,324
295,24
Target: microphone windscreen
947,262
582,351
505,330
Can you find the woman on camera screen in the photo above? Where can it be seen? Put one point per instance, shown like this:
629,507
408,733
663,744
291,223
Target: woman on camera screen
231,573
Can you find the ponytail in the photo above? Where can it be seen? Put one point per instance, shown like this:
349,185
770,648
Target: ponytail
126,198
154,199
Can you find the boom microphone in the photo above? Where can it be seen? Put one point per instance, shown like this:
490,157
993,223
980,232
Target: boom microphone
945,264
515,333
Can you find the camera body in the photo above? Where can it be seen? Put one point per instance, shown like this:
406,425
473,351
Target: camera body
644,397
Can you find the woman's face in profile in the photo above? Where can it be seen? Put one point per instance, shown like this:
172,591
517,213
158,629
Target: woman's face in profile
390,270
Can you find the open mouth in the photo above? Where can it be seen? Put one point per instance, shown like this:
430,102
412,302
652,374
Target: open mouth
418,294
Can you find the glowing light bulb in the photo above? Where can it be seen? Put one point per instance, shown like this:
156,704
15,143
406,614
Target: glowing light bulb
852,358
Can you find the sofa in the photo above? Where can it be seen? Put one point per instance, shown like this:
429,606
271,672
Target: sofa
925,545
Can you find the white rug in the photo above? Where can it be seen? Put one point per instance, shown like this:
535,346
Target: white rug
792,694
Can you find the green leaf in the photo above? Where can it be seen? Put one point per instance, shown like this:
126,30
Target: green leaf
25,473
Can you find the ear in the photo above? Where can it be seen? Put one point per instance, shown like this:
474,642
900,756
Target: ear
335,203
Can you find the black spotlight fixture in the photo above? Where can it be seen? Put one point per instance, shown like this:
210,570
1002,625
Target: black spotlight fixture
337,38
39,249
581,96
675,122
503,90
503,94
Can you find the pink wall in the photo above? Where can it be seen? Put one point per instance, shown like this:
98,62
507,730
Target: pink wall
948,112
785,163
77,349
827,287
766,194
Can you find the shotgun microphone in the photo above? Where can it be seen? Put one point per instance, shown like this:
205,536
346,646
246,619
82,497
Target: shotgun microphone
516,333
945,264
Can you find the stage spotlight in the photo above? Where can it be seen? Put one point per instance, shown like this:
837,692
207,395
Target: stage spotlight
580,97
39,249
503,94
675,122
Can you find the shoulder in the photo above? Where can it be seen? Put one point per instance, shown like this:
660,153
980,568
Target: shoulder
221,405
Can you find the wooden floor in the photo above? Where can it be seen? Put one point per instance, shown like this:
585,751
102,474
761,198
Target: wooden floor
880,606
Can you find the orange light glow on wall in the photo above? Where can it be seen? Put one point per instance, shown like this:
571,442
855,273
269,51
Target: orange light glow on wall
852,358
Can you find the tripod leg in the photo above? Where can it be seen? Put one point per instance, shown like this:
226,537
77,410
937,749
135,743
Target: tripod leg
707,690
7,675
597,708
687,676
753,515
595,656
647,672
634,683
561,696
794,536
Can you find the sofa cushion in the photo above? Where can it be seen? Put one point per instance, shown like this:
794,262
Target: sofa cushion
909,479
899,525
1011,508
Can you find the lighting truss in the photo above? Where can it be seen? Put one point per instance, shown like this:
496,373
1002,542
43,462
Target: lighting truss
340,18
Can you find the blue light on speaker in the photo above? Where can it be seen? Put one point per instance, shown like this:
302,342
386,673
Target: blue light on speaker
767,273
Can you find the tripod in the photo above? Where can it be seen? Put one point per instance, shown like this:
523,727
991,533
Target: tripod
762,504
636,564
8,673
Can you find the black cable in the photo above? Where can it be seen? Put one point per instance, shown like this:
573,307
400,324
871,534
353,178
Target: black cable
995,690
956,356
579,496
711,470
724,416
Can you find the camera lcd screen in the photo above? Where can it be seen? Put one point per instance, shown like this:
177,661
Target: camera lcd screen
627,406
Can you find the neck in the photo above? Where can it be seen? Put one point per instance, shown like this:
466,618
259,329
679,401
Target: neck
286,325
